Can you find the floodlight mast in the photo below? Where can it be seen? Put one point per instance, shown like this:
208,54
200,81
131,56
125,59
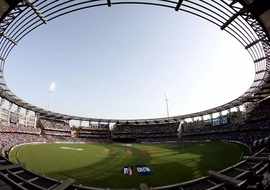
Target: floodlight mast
167,105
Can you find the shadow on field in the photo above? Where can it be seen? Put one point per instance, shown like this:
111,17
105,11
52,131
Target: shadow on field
108,172
108,169
173,164
213,155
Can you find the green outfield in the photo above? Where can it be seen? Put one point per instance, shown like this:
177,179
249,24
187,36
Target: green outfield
101,164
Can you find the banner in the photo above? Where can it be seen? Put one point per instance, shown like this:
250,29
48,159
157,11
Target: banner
128,170
141,170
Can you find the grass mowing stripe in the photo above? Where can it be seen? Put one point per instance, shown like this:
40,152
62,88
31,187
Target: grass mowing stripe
101,164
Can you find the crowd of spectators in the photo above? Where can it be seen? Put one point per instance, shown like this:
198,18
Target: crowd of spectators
94,132
51,130
54,125
12,128
54,128
146,132
15,134
9,139
246,132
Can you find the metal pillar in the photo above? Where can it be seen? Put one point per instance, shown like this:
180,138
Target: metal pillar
2,102
9,111
18,115
211,118
201,117
36,119
25,117
69,122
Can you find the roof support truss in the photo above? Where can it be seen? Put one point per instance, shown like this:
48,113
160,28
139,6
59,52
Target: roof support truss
109,3
8,38
253,43
179,3
36,11
232,18
260,59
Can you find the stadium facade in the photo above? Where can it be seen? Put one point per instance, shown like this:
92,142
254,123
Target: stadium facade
245,119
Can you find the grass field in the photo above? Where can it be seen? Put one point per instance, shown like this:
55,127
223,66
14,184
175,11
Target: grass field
101,164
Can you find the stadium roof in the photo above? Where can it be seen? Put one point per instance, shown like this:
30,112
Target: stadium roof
248,21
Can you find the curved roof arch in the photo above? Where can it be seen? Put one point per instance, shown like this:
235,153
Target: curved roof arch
248,21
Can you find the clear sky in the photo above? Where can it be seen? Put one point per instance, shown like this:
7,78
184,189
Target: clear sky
119,62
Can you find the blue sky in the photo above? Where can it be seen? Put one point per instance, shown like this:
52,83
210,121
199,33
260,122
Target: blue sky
119,62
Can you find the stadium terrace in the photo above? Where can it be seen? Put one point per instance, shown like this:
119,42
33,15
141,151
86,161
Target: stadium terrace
243,122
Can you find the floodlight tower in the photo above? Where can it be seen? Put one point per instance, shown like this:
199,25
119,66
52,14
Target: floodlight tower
167,105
